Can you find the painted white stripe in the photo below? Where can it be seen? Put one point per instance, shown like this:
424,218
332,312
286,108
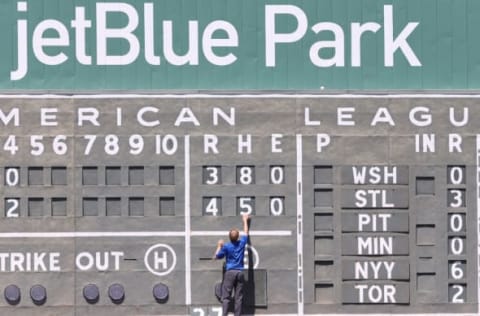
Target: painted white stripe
478,221
261,233
299,189
279,233
89,234
188,268
355,314
233,95
378,314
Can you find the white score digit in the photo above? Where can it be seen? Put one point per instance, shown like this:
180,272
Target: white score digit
456,270
111,145
246,175
11,177
11,144
457,296
212,176
245,205
59,145
213,311
456,246
456,175
12,211
37,145
198,311
212,207
276,206
90,141
456,222
457,196
167,144
136,144
276,175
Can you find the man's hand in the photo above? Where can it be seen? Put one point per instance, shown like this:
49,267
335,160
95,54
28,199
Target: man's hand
219,247
245,219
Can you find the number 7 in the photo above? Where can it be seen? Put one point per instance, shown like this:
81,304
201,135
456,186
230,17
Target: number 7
91,140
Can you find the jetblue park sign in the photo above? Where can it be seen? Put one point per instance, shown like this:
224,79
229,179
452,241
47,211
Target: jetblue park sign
239,45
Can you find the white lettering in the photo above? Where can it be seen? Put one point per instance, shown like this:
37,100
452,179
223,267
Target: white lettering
141,119
453,120
425,144
400,42
80,24
344,116
245,144
228,118
89,115
454,143
272,37
374,245
208,42
323,140
125,33
362,269
210,144
425,118
276,142
338,58
186,116
48,117
14,115
382,115
39,42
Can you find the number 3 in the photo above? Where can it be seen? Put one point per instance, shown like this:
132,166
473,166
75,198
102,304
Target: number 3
212,175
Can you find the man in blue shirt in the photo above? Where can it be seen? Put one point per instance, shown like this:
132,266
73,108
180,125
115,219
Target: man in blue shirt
233,252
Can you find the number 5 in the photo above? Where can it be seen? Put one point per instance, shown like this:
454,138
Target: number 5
245,205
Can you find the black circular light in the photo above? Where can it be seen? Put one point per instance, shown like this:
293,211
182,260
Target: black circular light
91,293
38,294
116,293
160,293
12,294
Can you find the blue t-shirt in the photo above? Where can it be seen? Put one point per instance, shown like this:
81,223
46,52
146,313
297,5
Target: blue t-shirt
233,253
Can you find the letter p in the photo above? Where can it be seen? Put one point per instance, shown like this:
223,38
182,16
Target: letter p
272,38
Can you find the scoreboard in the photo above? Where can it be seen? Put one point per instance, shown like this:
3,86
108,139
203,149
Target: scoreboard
113,204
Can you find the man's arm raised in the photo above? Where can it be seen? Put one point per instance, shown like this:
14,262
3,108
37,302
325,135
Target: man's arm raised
245,219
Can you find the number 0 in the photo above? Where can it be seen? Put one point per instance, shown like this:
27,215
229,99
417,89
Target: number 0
456,175
456,245
276,206
276,175
12,177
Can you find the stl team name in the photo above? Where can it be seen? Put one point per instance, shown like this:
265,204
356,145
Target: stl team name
202,44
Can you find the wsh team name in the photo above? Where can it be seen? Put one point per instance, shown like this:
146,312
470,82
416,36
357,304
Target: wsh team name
202,44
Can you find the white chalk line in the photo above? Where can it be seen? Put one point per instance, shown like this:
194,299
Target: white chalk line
278,233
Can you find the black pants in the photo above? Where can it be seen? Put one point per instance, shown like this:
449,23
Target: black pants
232,279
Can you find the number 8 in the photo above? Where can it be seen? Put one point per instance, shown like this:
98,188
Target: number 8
246,175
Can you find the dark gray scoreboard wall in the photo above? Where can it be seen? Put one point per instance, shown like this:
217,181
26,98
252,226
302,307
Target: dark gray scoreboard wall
113,205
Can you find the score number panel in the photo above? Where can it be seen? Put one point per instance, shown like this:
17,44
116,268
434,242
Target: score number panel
366,205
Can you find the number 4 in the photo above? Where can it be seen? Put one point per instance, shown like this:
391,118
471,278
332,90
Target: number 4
212,206
11,145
